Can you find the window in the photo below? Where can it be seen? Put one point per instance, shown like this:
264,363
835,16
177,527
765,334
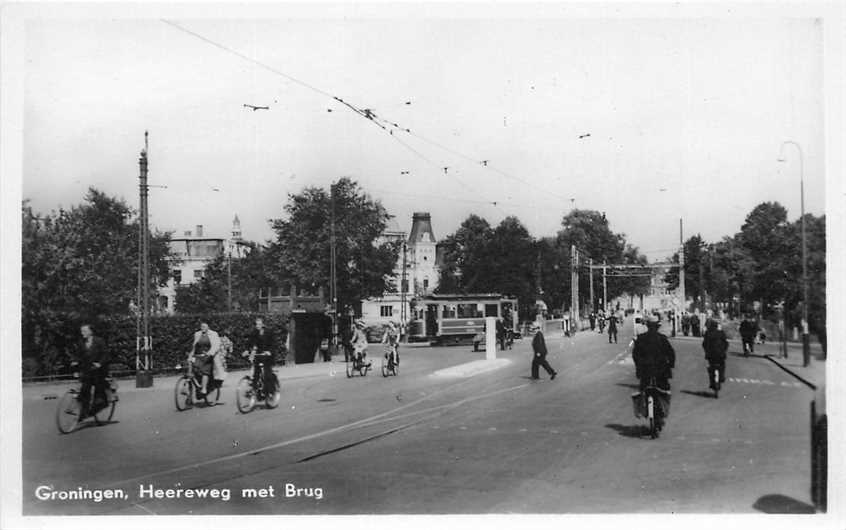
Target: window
198,274
468,311
425,284
449,311
386,310
177,276
491,310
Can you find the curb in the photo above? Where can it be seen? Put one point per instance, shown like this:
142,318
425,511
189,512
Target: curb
791,372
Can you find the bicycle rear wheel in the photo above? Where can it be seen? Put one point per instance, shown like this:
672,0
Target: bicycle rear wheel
272,400
68,412
182,394
245,397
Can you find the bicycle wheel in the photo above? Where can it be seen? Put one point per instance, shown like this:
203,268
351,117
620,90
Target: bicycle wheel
384,367
105,414
653,424
363,369
245,398
272,400
67,412
395,368
183,393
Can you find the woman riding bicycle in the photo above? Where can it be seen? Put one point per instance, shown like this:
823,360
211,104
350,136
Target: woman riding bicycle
391,339
359,343
206,346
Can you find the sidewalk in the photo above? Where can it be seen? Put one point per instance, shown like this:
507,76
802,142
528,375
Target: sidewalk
814,373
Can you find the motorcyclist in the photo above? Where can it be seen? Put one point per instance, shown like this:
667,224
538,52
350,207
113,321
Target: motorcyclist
715,345
654,360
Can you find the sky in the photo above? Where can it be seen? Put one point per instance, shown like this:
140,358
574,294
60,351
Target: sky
647,117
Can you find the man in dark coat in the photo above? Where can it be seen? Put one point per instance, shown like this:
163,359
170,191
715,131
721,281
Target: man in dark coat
748,330
93,360
262,343
685,323
654,358
694,324
539,349
715,345
612,328
592,319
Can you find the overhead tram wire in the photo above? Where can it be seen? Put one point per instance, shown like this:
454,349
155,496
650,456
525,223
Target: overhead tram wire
365,113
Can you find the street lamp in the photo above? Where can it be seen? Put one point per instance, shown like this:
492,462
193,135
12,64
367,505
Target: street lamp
806,343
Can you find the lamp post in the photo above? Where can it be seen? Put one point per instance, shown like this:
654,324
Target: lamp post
806,342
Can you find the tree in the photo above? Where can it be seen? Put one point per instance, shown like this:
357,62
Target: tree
302,245
80,264
466,259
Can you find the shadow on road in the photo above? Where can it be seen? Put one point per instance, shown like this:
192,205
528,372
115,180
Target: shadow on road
699,393
740,355
629,385
776,503
629,431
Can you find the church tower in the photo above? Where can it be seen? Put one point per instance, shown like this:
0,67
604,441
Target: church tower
422,254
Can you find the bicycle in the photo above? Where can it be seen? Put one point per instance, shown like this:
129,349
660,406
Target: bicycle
249,390
715,377
390,362
69,410
356,363
653,404
185,393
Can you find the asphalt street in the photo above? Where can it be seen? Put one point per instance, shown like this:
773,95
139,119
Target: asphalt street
431,441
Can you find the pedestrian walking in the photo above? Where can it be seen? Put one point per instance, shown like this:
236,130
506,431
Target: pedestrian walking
685,323
539,349
715,345
612,328
748,330
592,318
694,324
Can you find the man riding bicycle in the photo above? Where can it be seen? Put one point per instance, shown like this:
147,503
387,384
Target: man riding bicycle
654,360
261,343
715,345
93,362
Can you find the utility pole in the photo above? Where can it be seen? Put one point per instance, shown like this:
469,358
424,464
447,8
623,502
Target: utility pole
604,285
590,276
403,289
229,278
333,283
574,287
682,295
143,361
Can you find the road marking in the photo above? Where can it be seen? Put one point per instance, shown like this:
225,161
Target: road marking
365,422
751,381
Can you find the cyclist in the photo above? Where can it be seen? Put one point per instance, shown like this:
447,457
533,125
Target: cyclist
206,346
261,343
93,362
748,330
359,343
715,345
655,359
391,339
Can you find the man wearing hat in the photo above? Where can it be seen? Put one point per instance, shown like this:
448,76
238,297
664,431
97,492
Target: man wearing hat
654,357
539,348
715,345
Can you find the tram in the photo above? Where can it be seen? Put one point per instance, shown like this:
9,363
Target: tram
457,318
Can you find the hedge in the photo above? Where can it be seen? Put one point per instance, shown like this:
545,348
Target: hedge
172,337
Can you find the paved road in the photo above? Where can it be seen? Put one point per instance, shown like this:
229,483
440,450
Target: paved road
495,442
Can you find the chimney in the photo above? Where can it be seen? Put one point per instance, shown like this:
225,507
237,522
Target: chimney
199,230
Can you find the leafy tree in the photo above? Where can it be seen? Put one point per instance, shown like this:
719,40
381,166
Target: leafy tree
301,250
80,264
466,259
